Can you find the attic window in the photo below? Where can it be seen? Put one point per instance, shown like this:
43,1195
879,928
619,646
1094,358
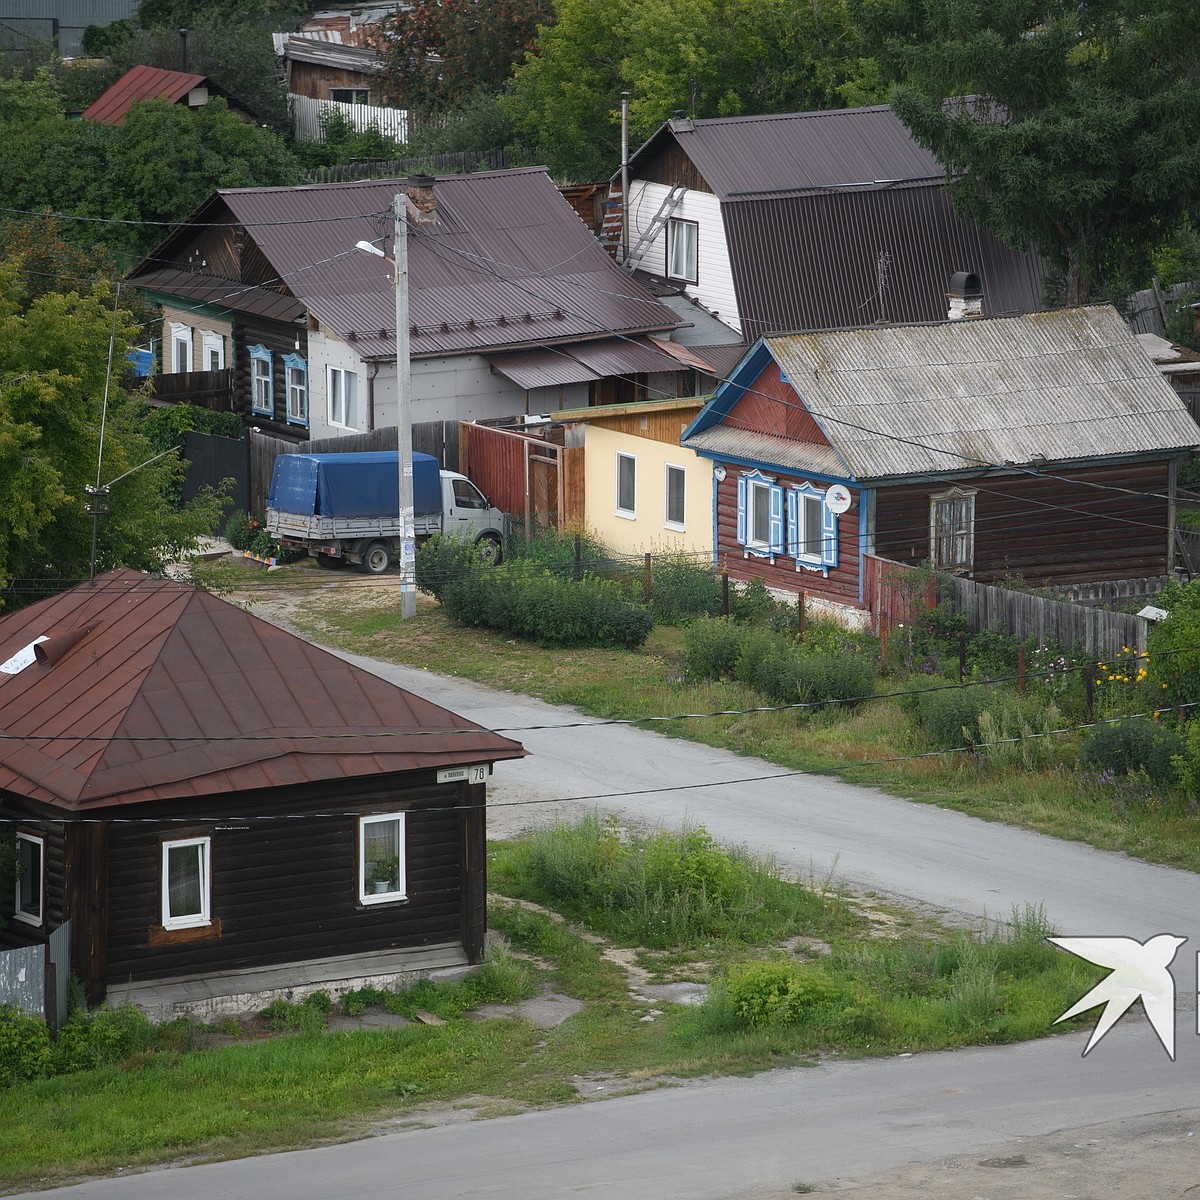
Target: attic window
682,238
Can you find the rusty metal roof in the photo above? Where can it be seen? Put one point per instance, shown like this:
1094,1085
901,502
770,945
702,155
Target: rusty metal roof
1068,385
188,695
785,152
507,264
140,83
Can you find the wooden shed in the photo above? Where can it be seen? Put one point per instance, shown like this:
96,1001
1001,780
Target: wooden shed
1042,446
210,800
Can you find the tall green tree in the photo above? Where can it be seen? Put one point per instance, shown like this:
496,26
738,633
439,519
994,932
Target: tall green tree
710,58
53,369
1084,135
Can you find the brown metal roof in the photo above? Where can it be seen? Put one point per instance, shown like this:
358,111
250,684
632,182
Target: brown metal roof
140,83
223,293
831,260
849,147
583,362
507,264
225,702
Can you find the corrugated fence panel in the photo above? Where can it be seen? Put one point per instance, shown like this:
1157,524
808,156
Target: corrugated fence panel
60,961
307,113
495,462
23,979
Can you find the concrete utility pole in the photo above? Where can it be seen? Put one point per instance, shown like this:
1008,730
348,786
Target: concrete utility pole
408,549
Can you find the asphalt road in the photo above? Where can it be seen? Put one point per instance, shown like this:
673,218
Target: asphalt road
753,1138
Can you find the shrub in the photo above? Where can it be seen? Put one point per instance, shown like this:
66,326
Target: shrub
241,529
950,716
768,664
711,648
91,1040
778,993
442,560
681,590
823,678
1134,744
24,1047
752,604
283,1014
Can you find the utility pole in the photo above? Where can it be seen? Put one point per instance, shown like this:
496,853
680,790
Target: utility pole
408,549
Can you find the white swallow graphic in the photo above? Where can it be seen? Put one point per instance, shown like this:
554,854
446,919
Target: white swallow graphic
1139,972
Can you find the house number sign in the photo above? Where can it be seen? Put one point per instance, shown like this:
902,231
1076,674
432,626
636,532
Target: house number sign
472,774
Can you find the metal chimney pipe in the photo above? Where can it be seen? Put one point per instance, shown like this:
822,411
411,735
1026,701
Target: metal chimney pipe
624,175
183,34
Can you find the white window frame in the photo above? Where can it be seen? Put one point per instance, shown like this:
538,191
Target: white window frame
812,529
262,381
756,542
963,499
204,916
181,337
628,462
38,848
683,250
212,343
297,392
343,401
366,887
670,522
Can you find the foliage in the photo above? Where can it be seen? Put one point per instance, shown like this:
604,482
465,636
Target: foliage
25,1050
519,597
710,58
156,167
90,1040
53,365
166,425
305,1016
777,992
437,53
950,715
712,648
1135,744
1083,135
1173,669
443,560
342,142
681,589
241,529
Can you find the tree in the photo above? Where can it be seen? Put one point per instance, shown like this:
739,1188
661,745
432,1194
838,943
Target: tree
1084,135
53,370
437,53
710,58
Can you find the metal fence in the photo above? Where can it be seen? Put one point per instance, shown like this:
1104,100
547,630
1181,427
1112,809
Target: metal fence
34,978
307,116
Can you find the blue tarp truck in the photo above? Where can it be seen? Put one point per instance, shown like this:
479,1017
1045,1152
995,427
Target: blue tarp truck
345,507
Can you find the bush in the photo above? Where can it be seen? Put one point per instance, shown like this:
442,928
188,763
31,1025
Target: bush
950,716
442,560
24,1047
241,529
91,1040
711,648
778,993
1135,744
681,590
825,678
522,598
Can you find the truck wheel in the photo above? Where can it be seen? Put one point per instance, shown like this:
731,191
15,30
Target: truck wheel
490,550
376,558
330,562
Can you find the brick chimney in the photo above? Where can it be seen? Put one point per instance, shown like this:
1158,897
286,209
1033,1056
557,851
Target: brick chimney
965,296
420,194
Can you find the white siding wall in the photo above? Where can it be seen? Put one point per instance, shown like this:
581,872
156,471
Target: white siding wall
714,286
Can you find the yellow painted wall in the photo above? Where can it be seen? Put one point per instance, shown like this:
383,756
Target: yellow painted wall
648,531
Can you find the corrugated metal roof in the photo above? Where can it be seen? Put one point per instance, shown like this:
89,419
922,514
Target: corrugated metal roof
850,147
843,259
140,83
1073,384
508,263
581,362
159,660
309,48
751,445
222,293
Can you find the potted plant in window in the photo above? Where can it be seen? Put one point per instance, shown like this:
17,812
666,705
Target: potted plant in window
385,875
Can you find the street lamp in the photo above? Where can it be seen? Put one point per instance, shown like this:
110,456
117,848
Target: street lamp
408,551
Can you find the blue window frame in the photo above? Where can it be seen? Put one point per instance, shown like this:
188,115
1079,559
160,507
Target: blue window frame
262,381
812,533
296,375
760,515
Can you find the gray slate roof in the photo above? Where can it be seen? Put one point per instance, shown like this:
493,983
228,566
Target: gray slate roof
1073,384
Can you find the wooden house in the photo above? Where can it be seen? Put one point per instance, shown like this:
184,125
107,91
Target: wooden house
211,802
812,220
513,306
1042,446
157,83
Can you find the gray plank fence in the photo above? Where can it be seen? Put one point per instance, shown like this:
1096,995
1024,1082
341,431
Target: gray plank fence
1022,615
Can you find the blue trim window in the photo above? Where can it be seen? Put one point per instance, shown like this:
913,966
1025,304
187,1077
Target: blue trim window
812,529
296,373
760,515
262,380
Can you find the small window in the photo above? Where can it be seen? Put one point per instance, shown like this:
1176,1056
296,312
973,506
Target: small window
297,389
214,350
952,530
760,515
626,486
381,858
181,347
676,477
812,529
467,495
185,883
808,527
682,238
262,382
350,95
343,397
31,862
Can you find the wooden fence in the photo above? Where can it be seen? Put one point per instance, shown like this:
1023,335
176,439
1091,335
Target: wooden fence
1022,616
205,389
893,594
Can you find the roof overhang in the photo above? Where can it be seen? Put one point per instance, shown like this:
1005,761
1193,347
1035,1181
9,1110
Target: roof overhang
582,362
